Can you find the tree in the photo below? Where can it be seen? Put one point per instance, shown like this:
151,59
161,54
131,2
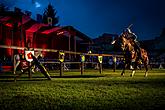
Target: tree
49,15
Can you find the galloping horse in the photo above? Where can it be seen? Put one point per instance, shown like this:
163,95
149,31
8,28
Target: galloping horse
131,56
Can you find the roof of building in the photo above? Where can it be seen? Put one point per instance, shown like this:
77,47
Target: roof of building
9,18
49,31
81,35
35,27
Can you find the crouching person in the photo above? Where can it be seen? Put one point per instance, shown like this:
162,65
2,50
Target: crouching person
20,61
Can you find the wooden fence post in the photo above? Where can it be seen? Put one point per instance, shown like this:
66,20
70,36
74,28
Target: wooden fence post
61,59
29,70
82,63
82,68
100,59
100,68
61,68
114,63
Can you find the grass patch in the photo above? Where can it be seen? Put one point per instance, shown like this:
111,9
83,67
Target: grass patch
89,91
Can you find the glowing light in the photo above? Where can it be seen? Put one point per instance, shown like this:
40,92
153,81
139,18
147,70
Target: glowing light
60,33
37,5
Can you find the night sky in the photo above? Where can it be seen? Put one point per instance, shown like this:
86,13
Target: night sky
95,17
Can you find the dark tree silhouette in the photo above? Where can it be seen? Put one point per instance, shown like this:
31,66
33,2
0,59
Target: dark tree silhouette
50,13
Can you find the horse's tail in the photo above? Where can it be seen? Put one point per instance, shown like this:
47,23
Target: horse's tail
145,56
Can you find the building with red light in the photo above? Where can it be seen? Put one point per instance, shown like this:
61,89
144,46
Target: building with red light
19,29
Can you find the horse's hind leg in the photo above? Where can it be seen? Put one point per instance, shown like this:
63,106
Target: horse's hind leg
123,72
146,74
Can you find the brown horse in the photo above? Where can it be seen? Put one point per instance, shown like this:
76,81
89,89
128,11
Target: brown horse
131,55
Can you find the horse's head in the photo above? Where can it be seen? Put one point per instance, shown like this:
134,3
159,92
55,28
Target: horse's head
121,42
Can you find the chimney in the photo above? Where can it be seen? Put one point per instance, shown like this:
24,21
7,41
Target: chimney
39,18
17,14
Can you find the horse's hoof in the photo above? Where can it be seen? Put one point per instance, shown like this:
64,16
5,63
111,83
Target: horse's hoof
145,75
122,74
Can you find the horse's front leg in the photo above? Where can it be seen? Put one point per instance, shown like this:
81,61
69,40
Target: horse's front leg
123,71
133,69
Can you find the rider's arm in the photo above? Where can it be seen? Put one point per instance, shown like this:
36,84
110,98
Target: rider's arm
134,36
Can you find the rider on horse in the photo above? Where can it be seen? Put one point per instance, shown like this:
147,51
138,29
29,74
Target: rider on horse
133,40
